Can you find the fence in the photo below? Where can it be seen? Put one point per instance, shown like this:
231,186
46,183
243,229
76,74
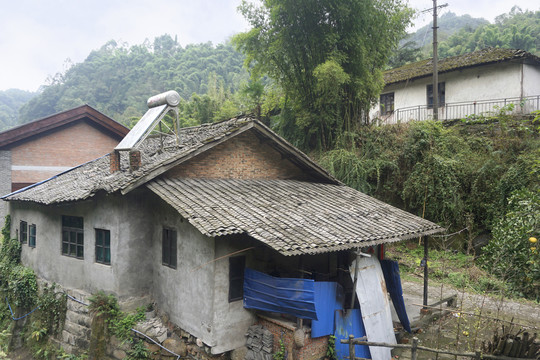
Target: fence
352,342
461,110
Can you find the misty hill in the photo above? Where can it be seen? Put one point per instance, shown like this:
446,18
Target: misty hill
117,79
10,102
449,24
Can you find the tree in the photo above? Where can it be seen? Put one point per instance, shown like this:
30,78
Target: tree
315,49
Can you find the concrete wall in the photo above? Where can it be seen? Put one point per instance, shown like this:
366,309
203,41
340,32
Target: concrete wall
184,293
5,182
243,157
531,80
130,272
50,153
231,321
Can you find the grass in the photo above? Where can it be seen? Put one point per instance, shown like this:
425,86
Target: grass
447,266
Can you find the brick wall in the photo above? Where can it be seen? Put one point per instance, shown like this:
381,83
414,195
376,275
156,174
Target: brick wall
242,157
313,349
67,147
5,182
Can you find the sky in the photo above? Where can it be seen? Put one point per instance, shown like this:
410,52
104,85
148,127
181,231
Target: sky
39,38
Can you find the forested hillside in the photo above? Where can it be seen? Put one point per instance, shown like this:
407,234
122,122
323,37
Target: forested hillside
10,102
117,79
463,34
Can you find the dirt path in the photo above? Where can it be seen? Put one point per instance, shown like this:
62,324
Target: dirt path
524,312
474,321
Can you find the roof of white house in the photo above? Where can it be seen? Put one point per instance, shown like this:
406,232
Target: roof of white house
424,68
291,216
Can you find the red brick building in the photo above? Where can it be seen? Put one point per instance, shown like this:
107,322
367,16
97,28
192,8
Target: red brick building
43,148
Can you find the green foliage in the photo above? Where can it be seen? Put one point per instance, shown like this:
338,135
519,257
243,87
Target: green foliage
460,176
509,254
326,56
280,353
138,351
22,287
118,323
52,310
331,351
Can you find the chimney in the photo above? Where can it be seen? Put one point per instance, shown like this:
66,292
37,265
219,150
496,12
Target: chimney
115,161
134,160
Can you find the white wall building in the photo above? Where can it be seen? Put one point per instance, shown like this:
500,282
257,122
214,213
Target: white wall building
474,84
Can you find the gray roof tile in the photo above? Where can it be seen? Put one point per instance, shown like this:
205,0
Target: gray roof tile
290,216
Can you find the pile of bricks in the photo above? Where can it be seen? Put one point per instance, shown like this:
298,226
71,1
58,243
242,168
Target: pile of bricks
259,343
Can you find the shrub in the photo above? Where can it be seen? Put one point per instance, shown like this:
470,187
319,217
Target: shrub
509,254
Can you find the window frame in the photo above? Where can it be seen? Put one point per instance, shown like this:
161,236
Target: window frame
23,232
441,90
32,235
383,103
102,246
77,242
169,247
236,277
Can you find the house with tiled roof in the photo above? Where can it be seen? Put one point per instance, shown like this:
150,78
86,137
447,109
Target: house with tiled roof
37,150
180,218
470,85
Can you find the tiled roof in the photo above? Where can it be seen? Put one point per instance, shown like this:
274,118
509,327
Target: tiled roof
86,180
292,217
482,57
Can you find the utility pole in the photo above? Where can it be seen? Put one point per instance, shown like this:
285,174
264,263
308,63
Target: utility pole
435,91
435,70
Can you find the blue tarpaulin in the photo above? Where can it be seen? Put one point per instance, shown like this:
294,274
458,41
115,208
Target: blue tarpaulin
328,299
282,295
393,285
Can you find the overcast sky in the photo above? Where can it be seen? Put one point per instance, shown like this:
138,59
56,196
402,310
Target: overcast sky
38,36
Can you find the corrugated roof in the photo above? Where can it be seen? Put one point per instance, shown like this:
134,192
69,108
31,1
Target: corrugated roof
482,57
292,217
87,179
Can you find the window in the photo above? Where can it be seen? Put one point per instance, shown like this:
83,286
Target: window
73,236
236,277
23,232
168,248
103,246
387,103
429,91
32,235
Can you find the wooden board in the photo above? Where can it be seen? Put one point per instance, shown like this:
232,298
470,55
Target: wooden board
374,305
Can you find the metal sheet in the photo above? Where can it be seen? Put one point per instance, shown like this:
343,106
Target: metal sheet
393,285
283,295
375,306
350,322
328,299
142,128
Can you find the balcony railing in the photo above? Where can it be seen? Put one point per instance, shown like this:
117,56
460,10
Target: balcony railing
462,110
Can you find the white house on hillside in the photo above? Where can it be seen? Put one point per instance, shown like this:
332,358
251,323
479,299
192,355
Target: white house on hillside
477,83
